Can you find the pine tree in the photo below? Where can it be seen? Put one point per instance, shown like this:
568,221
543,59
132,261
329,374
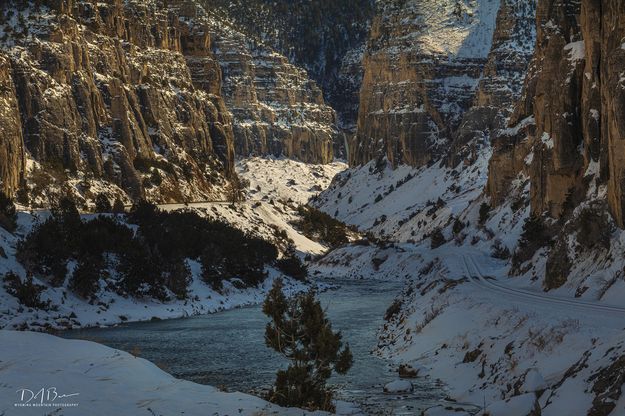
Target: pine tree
118,206
102,204
8,213
300,330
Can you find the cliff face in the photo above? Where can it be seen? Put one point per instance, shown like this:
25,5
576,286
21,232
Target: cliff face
276,108
129,98
11,143
502,79
105,96
572,109
552,98
326,37
426,64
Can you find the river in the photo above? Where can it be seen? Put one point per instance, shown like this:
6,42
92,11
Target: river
227,349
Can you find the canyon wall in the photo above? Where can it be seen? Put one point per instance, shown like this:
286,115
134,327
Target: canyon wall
570,121
325,37
132,99
438,74
105,96
277,110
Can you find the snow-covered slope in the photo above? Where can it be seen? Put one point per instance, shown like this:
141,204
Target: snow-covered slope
270,211
98,380
493,339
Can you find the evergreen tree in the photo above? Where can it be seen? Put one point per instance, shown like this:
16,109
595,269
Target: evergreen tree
8,213
300,331
118,206
102,204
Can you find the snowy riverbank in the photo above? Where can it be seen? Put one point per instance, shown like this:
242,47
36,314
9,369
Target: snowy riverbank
102,381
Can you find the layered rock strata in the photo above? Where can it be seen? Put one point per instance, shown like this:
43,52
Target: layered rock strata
277,110
423,65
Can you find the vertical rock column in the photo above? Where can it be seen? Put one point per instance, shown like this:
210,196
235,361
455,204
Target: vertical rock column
11,141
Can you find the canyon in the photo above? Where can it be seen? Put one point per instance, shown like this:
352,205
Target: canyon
472,149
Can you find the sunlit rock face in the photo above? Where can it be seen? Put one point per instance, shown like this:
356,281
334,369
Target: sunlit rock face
568,126
105,96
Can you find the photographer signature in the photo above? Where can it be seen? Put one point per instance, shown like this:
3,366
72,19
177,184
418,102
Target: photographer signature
43,395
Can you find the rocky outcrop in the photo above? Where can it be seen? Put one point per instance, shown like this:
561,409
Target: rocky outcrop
573,94
11,141
502,79
423,65
106,97
277,109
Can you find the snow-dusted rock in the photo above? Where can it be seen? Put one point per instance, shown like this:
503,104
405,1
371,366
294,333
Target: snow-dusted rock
410,371
399,386
534,381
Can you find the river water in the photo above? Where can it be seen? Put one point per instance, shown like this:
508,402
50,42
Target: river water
227,349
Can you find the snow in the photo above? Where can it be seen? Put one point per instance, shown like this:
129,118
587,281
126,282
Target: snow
270,208
576,50
459,299
104,381
547,140
534,381
398,386
517,406
456,29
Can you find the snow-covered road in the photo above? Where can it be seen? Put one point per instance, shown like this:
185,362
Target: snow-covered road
610,316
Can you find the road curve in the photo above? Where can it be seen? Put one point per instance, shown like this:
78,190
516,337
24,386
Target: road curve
532,297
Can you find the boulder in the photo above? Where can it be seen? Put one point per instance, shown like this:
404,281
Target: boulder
399,386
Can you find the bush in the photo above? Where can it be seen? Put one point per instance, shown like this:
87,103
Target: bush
558,267
86,277
27,292
484,212
500,251
536,234
318,225
102,204
118,206
292,266
594,229
458,226
437,238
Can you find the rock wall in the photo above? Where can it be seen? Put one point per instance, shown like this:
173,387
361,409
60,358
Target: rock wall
609,68
11,141
105,96
325,37
277,109
573,96
423,65
502,80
